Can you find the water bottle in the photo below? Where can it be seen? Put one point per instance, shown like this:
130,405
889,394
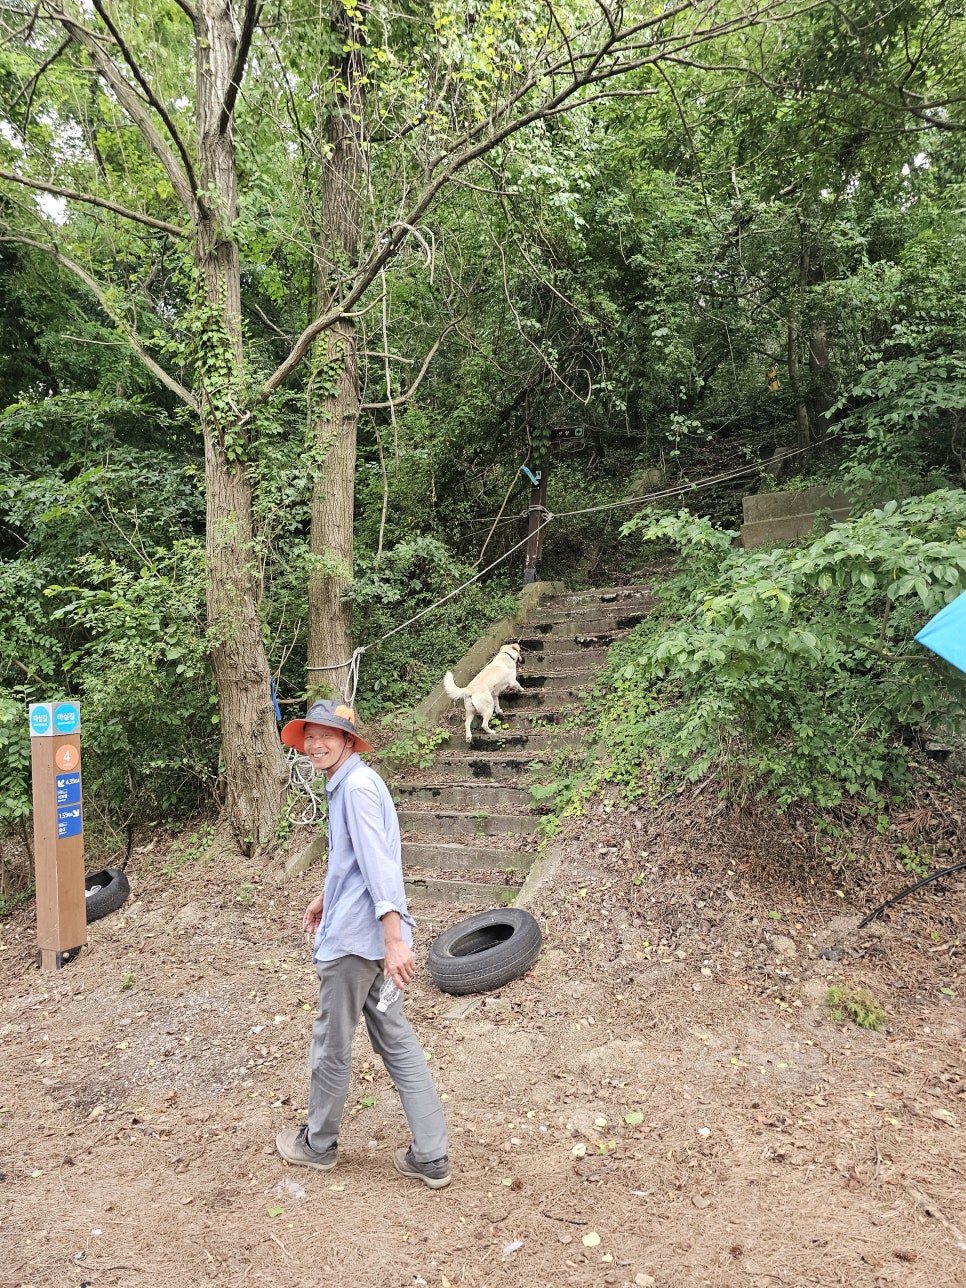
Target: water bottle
388,994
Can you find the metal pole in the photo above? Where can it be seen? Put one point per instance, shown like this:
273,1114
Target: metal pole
537,514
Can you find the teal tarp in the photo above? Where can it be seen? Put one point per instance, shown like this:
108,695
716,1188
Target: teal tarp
945,633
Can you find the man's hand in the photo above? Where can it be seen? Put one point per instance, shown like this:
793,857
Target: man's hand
313,916
400,964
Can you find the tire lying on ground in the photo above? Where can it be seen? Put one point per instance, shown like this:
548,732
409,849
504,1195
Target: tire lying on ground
485,951
105,892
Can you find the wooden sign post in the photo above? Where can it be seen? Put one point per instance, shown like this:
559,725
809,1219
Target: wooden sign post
55,757
537,518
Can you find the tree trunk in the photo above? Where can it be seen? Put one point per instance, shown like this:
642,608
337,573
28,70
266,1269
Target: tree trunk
335,414
803,434
254,763
802,428
819,367
333,502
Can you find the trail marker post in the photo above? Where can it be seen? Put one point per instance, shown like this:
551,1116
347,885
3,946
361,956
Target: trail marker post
537,514
55,758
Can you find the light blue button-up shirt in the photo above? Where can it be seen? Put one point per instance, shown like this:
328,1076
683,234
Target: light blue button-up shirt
364,880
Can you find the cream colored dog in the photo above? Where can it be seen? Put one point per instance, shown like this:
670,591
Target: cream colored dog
482,695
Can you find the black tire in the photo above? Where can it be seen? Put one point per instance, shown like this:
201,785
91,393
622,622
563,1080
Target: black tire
106,891
485,951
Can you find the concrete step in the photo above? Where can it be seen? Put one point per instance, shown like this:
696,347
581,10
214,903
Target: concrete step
590,647
521,741
473,795
517,721
562,658
559,681
539,699
473,894
454,857
641,592
569,627
554,610
503,766
462,823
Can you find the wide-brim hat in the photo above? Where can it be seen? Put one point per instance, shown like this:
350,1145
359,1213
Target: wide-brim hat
332,714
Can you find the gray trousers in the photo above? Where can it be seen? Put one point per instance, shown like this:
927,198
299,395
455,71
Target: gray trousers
349,988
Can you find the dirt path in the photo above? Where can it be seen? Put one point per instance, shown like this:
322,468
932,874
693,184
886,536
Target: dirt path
662,1098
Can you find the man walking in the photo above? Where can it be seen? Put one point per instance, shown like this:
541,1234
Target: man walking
363,936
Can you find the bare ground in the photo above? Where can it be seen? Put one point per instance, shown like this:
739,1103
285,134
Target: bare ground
665,1097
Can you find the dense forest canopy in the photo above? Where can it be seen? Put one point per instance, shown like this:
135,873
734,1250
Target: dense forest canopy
289,293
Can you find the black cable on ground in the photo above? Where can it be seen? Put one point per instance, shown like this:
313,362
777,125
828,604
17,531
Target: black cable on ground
127,849
933,876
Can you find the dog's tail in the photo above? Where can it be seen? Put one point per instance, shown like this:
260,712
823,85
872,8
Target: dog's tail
449,684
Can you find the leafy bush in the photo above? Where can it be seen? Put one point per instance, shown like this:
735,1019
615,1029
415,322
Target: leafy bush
791,671
140,668
410,577
15,792
412,745
908,405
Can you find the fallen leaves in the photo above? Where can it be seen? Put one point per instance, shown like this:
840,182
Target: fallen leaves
944,1116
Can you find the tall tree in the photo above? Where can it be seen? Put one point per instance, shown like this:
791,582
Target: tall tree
99,115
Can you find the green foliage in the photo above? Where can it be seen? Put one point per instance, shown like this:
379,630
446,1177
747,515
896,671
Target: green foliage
15,789
791,671
245,894
190,848
637,268
914,861
140,667
412,745
410,577
856,1004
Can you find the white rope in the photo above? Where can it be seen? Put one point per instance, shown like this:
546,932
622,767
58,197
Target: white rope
680,489
306,806
351,667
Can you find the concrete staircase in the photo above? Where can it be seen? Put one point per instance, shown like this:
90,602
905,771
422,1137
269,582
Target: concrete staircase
469,829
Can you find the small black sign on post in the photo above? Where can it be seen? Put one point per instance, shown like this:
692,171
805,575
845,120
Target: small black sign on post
55,757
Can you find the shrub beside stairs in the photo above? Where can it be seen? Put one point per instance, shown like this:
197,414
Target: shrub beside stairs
469,829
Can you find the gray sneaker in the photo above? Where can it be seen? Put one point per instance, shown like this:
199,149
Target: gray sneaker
435,1174
292,1143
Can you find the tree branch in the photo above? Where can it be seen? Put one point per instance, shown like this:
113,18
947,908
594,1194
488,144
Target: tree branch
404,398
285,335
160,224
149,93
129,101
133,339
30,85
484,137
241,58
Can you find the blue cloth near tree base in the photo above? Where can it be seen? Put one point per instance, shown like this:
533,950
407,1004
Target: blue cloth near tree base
945,633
